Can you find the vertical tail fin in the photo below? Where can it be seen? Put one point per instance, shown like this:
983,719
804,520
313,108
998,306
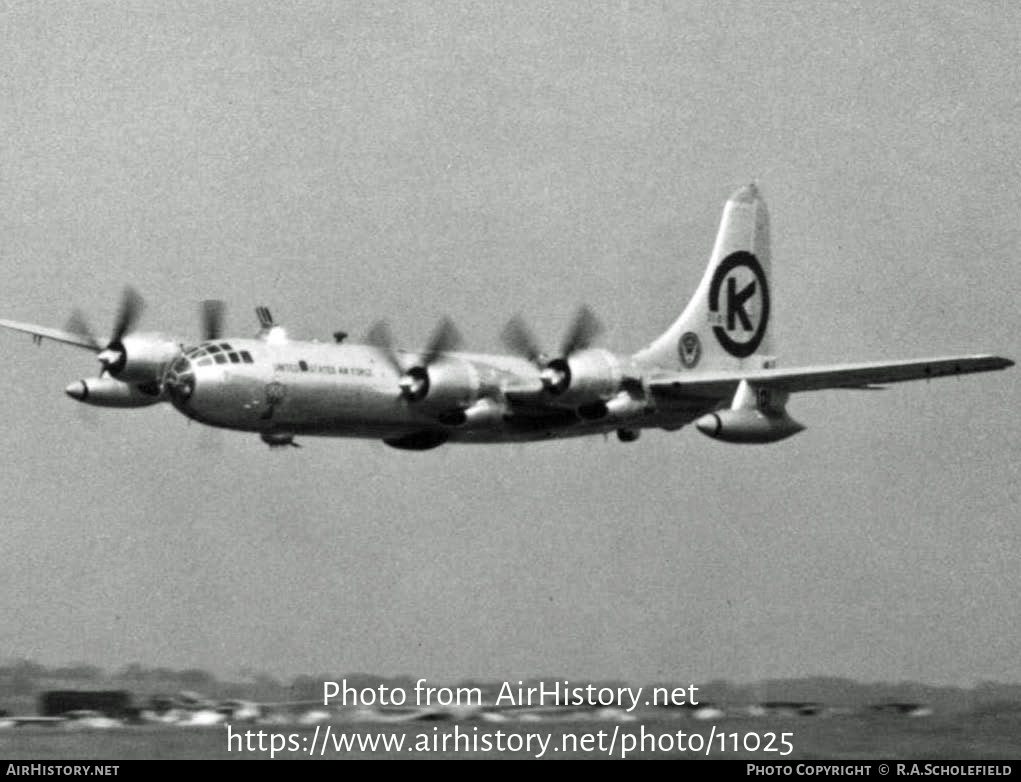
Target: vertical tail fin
726,323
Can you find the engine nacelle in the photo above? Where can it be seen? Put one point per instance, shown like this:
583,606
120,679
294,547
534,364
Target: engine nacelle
622,407
484,413
585,376
109,392
140,357
748,426
447,384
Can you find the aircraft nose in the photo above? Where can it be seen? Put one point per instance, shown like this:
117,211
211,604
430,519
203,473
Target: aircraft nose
180,389
77,390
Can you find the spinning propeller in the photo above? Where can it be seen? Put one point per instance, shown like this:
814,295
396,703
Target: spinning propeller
112,356
211,312
554,373
414,382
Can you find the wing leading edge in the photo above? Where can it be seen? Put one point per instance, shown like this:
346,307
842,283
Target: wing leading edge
718,385
58,335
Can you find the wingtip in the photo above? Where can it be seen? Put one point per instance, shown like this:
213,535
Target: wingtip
997,362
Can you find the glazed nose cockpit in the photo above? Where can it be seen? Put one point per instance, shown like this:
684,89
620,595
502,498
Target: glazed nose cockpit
181,377
179,380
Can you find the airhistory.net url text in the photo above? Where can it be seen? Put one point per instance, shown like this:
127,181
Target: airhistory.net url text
615,743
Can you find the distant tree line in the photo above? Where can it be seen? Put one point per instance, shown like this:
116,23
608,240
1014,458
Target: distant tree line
21,678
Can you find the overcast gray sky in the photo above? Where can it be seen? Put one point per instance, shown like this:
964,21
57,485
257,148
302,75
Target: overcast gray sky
344,162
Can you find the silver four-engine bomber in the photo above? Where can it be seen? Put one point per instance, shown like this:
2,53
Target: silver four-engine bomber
715,366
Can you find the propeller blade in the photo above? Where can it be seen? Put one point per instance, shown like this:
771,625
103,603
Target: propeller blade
584,330
444,338
381,337
211,313
77,324
519,338
131,307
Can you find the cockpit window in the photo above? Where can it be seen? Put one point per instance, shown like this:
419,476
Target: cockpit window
234,358
220,358
246,357
212,349
205,361
225,346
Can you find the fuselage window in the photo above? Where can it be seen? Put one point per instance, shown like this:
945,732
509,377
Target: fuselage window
220,358
303,365
246,357
234,358
205,362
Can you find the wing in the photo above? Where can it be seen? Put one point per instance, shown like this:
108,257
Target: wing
67,337
720,385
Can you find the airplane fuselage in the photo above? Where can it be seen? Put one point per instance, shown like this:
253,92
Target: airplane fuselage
283,388
714,366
